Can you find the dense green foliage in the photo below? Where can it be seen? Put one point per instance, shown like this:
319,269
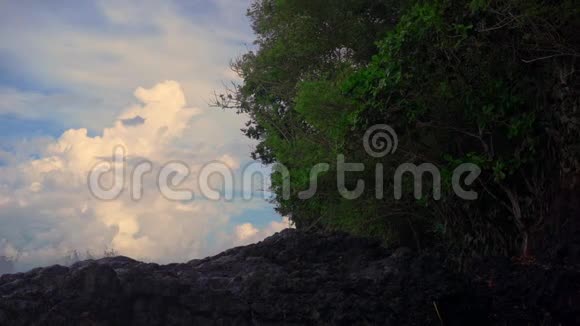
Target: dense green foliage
484,82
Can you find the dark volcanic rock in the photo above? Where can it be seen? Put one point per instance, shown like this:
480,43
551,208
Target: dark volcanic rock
292,278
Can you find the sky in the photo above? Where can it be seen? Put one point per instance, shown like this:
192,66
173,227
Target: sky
81,78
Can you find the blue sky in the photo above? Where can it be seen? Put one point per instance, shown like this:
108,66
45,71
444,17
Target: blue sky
73,74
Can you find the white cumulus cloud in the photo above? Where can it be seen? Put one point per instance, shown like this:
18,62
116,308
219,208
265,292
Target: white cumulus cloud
48,211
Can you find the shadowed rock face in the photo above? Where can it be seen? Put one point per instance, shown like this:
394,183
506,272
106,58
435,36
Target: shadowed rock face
291,278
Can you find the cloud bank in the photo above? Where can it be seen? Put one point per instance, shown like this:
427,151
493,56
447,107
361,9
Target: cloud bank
65,99
46,209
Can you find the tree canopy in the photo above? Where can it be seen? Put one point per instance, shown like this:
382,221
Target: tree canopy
492,83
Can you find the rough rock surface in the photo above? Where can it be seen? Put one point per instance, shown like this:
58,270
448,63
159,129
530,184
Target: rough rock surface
293,278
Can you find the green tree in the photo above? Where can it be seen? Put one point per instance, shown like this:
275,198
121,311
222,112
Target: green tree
461,82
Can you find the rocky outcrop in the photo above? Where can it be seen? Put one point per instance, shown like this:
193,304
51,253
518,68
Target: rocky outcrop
292,278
